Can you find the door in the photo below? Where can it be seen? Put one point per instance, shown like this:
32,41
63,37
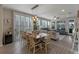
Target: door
17,28
22,24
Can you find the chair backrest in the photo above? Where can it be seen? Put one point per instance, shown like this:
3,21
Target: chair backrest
34,33
27,38
48,38
31,40
50,34
23,35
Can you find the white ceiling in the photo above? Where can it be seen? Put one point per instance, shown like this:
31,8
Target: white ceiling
46,10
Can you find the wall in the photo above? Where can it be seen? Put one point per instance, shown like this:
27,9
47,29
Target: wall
6,24
8,20
1,25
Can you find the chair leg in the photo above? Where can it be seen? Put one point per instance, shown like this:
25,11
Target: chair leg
45,48
41,47
28,49
34,50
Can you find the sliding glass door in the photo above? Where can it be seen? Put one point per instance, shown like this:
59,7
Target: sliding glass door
22,24
16,28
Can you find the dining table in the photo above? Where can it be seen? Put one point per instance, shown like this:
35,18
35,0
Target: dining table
41,37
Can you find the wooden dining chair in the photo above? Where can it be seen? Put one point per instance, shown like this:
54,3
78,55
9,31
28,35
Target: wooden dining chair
34,33
23,34
47,42
28,42
50,34
33,45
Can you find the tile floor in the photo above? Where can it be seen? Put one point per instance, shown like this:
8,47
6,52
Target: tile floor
63,46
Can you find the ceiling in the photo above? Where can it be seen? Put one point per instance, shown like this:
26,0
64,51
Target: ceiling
46,10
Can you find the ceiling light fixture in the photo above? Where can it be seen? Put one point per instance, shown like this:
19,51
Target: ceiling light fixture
62,10
55,18
34,7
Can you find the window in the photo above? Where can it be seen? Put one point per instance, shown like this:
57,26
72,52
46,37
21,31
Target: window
53,25
26,23
16,28
22,23
30,24
60,25
71,26
38,23
49,24
44,24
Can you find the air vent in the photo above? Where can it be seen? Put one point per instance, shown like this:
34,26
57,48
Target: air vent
35,7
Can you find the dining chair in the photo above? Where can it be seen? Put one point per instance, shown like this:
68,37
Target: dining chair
34,33
47,42
23,34
33,45
50,34
28,42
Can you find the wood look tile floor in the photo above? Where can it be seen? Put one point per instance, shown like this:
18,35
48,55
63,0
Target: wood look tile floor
63,46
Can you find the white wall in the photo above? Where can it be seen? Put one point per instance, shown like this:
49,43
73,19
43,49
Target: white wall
8,20
1,25
5,15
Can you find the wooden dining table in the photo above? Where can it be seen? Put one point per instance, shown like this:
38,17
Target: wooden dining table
41,37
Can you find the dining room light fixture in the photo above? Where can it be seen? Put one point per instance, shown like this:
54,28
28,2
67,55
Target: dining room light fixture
35,18
55,18
63,10
34,7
